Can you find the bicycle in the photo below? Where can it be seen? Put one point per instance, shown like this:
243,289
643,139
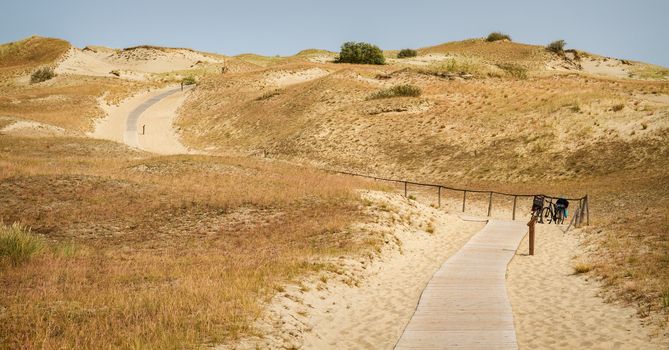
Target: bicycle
552,213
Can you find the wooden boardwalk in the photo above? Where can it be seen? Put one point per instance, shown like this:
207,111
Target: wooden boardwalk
465,305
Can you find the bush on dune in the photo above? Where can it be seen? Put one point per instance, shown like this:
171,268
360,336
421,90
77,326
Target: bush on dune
42,74
496,36
360,53
556,46
406,53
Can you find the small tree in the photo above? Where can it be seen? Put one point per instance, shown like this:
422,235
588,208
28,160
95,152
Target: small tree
364,53
406,53
496,36
556,46
42,74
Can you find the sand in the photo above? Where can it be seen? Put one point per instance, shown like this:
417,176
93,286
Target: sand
29,128
368,306
160,136
285,78
555,309
133,64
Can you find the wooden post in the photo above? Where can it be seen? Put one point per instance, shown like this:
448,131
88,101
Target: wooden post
513,217
531,225
143,129
405,188
464,199
587,208
489,204
182,86
439,196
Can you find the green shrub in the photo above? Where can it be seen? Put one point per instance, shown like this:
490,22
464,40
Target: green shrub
397,91
188,81
363,53
18,244
515,70
556,46
495,36
406,53
42,74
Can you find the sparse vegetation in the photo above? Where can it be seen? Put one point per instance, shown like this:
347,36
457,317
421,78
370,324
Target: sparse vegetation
556,46
360,53
405,90
17,244
618,107
515,70
42,74
496,36
189,80
407,53
581,267
115,72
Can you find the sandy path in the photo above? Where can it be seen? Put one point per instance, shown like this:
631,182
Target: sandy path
372,307
555,309
156,110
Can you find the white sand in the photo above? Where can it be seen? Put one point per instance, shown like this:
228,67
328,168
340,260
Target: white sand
368,306
160,136
284,78
131,64
29,128
555,309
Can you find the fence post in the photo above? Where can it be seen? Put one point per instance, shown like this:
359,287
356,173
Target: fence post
143,129
464,199
489,204
513,217
531,225
439,196
405,189
587,208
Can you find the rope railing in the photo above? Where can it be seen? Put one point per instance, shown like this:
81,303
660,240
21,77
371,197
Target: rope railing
583,210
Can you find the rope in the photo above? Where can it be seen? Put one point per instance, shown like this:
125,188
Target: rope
446,187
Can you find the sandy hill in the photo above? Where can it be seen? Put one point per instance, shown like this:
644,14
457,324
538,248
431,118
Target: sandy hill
23,56
501,115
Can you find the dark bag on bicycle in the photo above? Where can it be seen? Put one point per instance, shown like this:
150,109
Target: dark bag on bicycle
538,203
562,202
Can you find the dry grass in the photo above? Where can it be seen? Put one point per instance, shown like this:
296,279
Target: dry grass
554,134
164,252
21,57
70,102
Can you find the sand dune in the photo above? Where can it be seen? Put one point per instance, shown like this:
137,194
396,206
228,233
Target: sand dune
555,309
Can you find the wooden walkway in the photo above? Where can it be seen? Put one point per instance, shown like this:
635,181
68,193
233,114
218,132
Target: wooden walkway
465,305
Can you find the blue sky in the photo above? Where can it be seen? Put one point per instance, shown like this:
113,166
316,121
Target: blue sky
636,30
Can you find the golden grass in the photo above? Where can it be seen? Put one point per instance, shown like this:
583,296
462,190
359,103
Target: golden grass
546,134
70,102
22,56
159,252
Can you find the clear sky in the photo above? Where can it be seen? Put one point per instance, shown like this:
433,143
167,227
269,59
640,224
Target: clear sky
631,29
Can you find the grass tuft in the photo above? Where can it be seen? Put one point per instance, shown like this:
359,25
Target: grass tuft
397,91
581,267
18,244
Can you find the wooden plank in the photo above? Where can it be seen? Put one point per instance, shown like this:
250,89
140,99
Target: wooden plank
465,305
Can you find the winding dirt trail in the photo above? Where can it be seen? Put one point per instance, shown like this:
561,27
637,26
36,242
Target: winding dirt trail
145,121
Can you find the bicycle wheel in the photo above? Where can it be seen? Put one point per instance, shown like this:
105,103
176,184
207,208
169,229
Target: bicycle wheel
559,217
547,215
